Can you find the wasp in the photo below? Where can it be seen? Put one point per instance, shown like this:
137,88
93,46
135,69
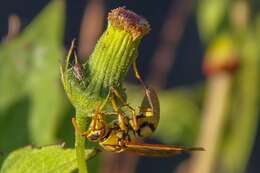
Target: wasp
113,138
120,134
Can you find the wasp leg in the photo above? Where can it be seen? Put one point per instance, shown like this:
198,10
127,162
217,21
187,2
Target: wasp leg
76,126
150,103
132,110
137,75
121,116
147,89
121,98
112,113
133,113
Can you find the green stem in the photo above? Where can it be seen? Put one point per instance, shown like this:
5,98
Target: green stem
244,125
80,143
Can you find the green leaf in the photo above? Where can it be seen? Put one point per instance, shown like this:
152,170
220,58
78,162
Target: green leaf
14,69
45,33
49,159
29,66
14,133
34,52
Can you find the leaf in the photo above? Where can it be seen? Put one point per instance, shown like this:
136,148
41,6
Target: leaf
49,159
29,66
14,132
44,35
14,69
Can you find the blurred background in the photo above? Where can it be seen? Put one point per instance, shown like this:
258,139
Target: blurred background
202,56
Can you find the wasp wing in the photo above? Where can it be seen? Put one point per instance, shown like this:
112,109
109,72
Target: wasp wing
157,150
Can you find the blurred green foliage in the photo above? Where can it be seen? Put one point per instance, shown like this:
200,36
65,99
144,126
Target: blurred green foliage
32,102
240,20
212,17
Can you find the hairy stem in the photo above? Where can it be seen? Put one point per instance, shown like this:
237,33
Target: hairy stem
80,143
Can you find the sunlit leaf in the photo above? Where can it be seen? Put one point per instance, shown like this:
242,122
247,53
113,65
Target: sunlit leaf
52,159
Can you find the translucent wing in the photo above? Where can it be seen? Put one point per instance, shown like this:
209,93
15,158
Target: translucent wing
157,150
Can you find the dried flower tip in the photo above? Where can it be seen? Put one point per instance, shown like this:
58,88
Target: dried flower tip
129,21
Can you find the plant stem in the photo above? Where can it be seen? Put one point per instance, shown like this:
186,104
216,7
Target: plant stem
80,143
212,127
244,126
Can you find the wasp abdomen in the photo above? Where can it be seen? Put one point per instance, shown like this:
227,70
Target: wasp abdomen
146,129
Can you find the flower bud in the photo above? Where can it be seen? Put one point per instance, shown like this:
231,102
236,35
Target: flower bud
221,56
109,63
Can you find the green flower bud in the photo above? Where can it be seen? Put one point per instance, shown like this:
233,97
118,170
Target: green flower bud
221,56
88,83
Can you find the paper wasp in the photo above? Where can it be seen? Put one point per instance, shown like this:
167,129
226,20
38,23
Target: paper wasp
119,135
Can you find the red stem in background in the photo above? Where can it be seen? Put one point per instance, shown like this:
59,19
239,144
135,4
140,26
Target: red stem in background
91,27
14,27
170,36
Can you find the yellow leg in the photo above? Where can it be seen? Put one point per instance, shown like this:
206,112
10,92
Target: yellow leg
76,126
121,116
121,98
101,106
132,110
137,74
111,113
